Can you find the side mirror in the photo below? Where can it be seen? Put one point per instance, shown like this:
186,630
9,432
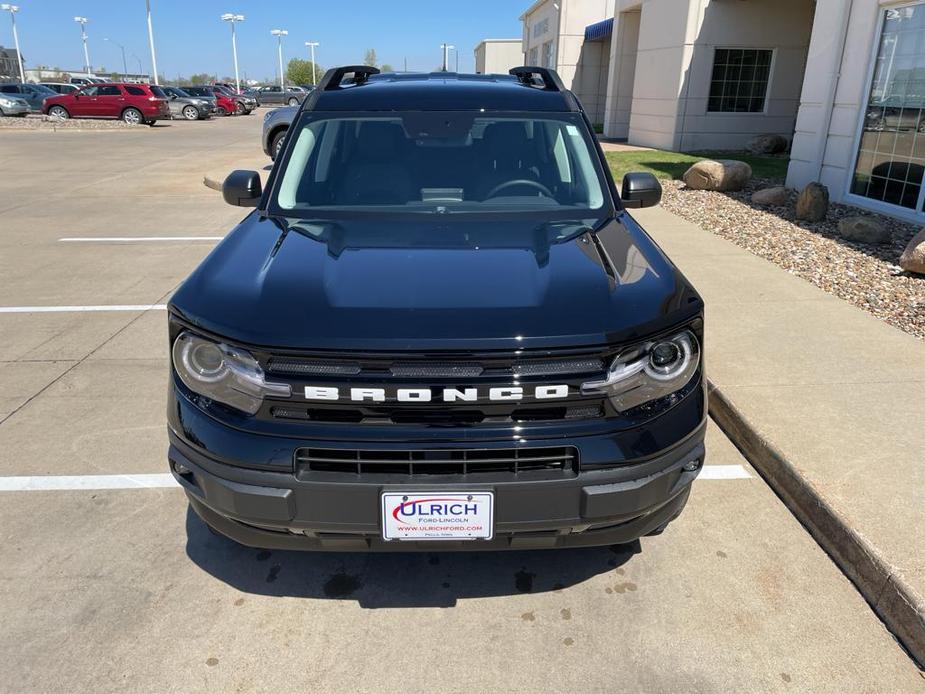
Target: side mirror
640,190
242,188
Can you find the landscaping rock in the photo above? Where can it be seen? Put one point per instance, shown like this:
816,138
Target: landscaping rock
722,175
913,258
776,196
864,230
813,203
767,144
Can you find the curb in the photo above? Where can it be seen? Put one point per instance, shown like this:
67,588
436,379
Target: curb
212,181
897,603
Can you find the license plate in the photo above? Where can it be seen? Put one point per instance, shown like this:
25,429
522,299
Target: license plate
437,516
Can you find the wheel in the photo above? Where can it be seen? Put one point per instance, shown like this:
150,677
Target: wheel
59,112
238,108
293,101
277,144
220,111
132,116
190,112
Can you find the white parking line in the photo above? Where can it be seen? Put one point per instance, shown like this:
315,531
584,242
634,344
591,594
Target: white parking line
44,483
86,482
724,472
74,309
136,239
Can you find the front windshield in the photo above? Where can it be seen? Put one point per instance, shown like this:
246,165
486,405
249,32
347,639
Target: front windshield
440,162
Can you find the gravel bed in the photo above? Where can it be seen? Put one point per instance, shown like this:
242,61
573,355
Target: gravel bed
42,122
867,276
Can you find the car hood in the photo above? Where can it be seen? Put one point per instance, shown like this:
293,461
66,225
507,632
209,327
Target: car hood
388,285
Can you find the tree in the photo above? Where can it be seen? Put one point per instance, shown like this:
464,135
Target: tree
370,58
200,78
300,71
387,68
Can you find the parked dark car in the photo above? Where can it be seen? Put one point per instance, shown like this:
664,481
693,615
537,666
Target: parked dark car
275,125
34,94
439,329
224,104
274,95
60,87
133,103
244,103
187,106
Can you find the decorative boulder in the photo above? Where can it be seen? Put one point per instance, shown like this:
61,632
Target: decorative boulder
864,230
767,144
723,174
913,258
813,203
776,196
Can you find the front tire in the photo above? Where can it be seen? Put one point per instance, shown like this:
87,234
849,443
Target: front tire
277,144
133,116
238,108
220,111
190,113
59,112
293,101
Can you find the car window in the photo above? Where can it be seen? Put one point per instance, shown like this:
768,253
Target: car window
9,89
157,91
88,91
443,162
135,91
109,90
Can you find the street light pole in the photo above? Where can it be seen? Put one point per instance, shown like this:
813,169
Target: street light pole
151,41
124,64
446,54
83,35
279,34
232,18
311,45
13,9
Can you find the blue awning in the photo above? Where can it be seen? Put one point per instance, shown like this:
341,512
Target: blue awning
599,30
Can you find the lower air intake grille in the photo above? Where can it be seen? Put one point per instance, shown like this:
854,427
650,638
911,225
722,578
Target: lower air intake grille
437,462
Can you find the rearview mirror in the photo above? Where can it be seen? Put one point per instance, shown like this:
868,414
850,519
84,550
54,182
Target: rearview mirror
640,189
242,188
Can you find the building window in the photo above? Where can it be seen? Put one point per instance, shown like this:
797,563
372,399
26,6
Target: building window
740,80
533,56
891,153
541,27
547,55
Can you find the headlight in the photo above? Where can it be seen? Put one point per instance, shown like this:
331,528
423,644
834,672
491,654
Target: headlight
7,102
223,373
649,371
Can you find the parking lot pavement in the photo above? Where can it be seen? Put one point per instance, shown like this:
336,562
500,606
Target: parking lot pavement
123,590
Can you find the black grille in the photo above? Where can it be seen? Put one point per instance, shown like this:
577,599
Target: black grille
438,462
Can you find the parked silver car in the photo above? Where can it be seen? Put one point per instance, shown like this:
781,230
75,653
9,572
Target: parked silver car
61,87
186,106
275,126
34,94
13,105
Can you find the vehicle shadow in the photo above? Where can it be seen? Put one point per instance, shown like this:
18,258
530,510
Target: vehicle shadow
411,579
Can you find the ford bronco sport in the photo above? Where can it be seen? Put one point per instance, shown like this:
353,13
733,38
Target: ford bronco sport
440,328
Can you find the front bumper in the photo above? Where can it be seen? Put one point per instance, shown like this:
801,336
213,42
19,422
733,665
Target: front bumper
15,109
278,510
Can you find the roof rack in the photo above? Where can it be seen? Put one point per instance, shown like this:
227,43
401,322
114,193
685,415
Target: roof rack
526,74
332,78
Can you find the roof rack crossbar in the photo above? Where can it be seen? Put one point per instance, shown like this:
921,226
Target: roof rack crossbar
526,73
332,78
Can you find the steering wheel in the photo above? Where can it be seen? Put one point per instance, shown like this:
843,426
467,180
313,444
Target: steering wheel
520,182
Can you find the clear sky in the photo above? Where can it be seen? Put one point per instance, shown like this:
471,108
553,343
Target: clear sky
190,37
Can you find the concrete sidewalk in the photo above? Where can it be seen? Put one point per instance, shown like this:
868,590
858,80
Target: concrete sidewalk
827,403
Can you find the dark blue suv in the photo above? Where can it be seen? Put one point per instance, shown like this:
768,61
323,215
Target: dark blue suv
438,329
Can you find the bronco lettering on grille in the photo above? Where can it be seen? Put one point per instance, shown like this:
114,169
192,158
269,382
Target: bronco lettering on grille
509,393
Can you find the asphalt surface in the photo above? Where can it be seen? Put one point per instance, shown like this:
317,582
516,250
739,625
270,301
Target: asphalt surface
124,590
